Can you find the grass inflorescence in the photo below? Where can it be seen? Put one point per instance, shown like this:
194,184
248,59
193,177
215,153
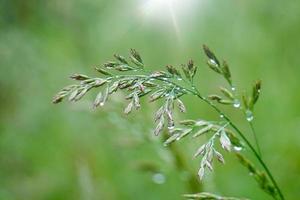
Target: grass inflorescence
170,85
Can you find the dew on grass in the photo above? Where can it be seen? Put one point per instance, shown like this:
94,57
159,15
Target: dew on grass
158,178
249,115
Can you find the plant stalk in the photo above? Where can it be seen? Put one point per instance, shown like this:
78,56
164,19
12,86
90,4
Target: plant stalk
256,154
255,138
196,92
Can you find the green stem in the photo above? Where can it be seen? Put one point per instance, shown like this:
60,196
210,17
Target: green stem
195,92
256,154
255,138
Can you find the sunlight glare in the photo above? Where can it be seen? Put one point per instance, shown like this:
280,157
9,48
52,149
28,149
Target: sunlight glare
167,11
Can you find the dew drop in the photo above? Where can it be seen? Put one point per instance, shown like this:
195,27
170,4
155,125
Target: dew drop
177,138
179,79
222,116
236,103
101,104
249,115
237,148
233,88
158,178
171,127
213,62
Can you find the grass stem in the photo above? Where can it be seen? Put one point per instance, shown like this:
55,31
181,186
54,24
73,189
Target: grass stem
255,138
196,92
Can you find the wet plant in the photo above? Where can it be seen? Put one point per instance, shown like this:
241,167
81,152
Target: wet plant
170,85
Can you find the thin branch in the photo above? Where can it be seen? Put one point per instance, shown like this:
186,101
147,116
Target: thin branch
255,138
196,92
142,84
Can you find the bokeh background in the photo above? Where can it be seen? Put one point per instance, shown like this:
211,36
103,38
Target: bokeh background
70,151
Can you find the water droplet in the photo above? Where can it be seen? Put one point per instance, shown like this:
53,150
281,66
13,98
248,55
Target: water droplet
222,116
158,178
179,79
178,138
164,79
101,104
171,127
233,88
213,62
237,148
249,115
236,103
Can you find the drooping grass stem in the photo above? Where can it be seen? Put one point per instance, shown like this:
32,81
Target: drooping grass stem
172,89
255,138
256,154
196,92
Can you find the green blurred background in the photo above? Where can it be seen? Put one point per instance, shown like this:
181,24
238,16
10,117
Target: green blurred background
70,151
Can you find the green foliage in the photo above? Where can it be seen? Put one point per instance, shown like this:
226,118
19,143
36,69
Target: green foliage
69,152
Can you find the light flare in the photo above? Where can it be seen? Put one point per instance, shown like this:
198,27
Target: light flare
167,11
